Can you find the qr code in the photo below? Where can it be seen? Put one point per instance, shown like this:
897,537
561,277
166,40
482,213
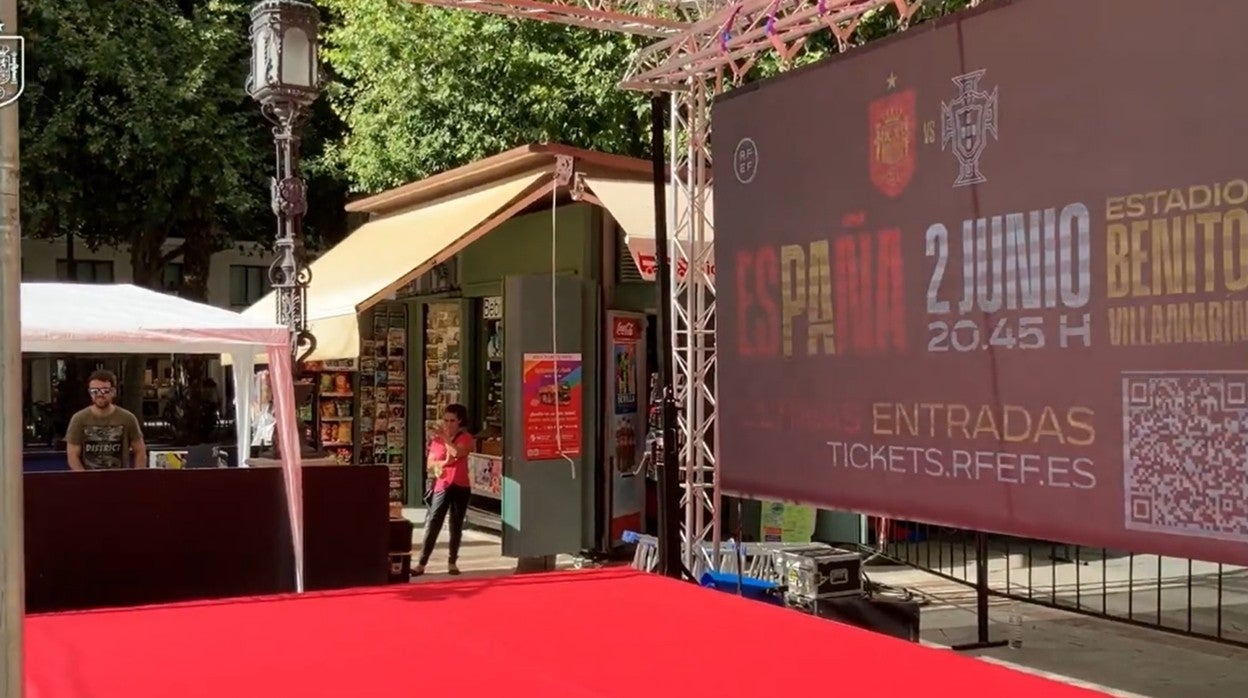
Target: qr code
1185,453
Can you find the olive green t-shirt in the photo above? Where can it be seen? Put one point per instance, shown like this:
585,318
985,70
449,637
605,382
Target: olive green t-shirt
105,439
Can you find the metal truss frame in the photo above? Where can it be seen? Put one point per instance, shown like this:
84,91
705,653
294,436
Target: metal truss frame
647,18
728,42
693,320
703,47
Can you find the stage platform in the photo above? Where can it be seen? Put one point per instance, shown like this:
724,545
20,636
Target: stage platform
602,633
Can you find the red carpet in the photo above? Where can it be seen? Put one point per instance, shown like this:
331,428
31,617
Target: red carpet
577,634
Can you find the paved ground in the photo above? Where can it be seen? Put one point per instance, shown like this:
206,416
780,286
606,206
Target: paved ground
481,554
1117,658
1109,654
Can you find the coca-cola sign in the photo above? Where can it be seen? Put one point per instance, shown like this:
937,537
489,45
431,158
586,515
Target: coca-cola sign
626,329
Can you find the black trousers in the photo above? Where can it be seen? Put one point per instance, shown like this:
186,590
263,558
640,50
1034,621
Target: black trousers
452,500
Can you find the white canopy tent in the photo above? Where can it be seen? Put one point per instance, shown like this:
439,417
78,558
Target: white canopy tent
126,319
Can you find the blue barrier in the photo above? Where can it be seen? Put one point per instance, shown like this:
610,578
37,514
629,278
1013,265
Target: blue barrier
750,587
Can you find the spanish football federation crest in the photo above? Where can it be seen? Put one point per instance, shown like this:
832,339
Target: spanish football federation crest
966,123
893,141
12,67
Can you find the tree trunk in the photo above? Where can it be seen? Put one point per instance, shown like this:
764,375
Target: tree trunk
197,251
147,263
147,271
200,421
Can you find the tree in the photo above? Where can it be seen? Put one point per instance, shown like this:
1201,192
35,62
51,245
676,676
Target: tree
135,130
422,89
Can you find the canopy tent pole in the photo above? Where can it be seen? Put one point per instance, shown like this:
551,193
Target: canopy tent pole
243,365
281,379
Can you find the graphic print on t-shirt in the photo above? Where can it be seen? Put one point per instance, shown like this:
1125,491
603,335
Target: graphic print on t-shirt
102,446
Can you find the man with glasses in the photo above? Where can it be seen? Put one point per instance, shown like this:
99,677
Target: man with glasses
103,436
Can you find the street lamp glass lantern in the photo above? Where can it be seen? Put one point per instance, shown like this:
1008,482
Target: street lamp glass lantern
285,67
297,67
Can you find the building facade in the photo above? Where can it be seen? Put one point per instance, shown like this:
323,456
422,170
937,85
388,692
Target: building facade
239,277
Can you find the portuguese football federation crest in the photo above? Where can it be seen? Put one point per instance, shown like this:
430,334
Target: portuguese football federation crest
966,123
893,142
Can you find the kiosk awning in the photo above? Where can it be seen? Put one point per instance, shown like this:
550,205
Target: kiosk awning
631,204
382,255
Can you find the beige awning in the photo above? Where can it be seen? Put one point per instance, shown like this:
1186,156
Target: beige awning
631,204
383,255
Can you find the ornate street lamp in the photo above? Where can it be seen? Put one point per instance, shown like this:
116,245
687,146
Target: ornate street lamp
285,79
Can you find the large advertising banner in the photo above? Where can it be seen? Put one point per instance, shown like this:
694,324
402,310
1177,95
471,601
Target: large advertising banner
993,273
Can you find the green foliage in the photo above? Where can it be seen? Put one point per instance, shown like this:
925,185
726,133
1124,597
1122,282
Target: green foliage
136,128
422,89
133,120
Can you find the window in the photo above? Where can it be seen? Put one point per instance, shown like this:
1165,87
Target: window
88,271
248,284
172,278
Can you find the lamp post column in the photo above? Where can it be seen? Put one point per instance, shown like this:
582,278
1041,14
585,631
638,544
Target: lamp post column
285,79
289,274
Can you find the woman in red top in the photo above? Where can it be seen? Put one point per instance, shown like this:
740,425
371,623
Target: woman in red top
448,468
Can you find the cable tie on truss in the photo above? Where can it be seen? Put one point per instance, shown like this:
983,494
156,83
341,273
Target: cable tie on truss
725,33
823,7
786,52
771,18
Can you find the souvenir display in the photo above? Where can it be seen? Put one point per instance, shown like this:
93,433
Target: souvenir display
330,412
485,466
493,406
383,396
443,324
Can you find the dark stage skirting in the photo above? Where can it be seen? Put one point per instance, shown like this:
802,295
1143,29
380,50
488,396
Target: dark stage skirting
129,537
606,634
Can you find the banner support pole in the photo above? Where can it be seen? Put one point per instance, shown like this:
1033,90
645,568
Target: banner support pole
983,639
670,564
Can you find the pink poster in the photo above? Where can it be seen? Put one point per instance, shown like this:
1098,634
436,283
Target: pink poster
552,406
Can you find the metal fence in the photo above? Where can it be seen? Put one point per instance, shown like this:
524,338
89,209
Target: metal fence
1191,597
